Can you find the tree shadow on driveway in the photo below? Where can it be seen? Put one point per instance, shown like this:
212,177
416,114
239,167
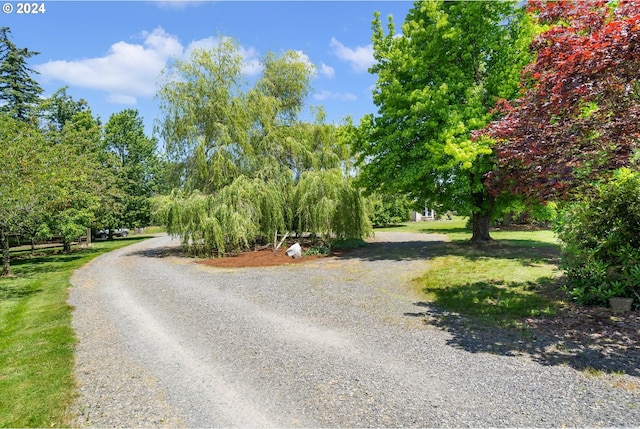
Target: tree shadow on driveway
158,252
584,339
391,251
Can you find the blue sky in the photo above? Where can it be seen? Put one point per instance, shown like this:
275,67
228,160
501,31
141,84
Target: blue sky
111,52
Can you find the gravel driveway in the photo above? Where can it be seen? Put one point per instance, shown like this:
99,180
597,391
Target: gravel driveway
164,341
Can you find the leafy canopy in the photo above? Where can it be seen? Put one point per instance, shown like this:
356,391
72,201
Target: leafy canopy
48,180
578,119
22,177
437,82
250,167
131,156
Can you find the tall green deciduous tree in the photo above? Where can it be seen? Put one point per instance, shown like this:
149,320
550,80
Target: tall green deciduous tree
47,185
18,90
22,177
131,156
78,184
59,108
437,82
79,189
219,128
388,210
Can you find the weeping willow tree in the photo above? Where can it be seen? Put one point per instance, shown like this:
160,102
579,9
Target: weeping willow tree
241,214
329,206
251,170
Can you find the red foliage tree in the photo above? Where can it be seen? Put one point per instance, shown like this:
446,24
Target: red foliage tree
578,116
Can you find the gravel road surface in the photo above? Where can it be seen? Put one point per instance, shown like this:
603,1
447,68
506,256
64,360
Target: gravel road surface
336,342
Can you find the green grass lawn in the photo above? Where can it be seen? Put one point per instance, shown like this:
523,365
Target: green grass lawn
154,229
515,277
456,230
37,383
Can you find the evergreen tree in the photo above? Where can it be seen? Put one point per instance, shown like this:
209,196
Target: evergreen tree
19,93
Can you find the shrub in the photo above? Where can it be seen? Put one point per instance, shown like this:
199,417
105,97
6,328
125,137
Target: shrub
527,213
390,209
317,250
600,237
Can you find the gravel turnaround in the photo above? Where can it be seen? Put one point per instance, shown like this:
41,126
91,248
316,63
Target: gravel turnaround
167,342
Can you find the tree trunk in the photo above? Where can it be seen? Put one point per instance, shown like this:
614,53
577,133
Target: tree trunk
480,227
507,219
483,201
6,262
66,246
481,215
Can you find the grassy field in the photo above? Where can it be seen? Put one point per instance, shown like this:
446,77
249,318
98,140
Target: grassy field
37,384
501,283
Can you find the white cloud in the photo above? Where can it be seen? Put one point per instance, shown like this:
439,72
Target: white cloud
121,99
162,42
252,67
327,71
126,72
251,64
304,58
130,70
328,95
360,57
177,4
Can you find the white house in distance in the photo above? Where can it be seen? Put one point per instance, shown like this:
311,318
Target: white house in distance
427,214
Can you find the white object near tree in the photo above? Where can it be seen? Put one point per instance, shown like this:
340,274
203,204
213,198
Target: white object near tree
295,251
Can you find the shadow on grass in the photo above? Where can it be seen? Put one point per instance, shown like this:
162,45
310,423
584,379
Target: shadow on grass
502,302
391,251
529,252
527,243
584,339
9,291
603,352
131,238
451,230
27,265
47,260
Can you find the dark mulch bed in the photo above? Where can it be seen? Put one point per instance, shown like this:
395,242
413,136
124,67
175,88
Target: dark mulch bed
258,258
